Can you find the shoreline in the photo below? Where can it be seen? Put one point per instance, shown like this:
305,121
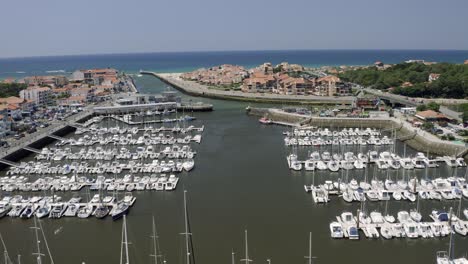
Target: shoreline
196,89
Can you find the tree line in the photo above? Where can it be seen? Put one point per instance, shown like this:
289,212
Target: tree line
11,89
452,83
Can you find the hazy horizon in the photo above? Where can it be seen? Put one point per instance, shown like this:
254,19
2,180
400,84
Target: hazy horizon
59,28
220,51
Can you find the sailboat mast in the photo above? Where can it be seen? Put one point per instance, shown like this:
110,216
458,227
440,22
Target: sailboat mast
246,260
451,247
232,257
7,257
309,257
154,243
38,253
127,261
186,230
310,247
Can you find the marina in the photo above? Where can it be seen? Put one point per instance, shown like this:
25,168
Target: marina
260,192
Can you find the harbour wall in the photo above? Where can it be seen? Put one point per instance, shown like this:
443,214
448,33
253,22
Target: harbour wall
419,140
195,89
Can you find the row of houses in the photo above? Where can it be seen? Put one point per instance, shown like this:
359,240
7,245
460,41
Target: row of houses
282,83
267,78
225,74
80,87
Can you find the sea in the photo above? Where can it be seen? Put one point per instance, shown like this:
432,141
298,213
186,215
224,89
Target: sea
187,61
241,181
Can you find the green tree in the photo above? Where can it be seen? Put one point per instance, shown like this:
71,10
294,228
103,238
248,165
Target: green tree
433,106
428,126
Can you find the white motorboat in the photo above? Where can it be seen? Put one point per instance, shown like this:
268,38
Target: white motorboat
348,196
72,209
347,218
353,233
377,218
415,215
171,183
188,165
397,195
336,231
43,210
85,211
411,230
309,165
386,231
404,217
321,165
358,164
333,165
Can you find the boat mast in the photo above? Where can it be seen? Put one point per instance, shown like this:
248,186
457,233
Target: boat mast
310,249
451,246
45,242
7,257
125,241
186,234
246,259
38,253
155,244
232,257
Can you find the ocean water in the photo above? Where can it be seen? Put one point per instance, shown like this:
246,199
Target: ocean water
187,61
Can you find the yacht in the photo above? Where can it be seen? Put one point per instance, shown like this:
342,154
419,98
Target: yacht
5,207
72,209
43,211
120,210
411,230
353,233
188,165
171,183
85,211
406,164
57,210
336,231
309,165
101,211
347,218
333,165
386,231
28,211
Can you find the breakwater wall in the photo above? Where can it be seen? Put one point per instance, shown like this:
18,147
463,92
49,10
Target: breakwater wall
419,140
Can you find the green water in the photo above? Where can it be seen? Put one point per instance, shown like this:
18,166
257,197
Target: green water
240,181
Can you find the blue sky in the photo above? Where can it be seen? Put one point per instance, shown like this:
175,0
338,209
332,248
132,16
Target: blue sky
58,27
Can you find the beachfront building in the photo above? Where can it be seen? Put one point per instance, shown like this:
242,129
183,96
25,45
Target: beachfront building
294,86
50,81
41,96
223,75
259,83
99,76
331,85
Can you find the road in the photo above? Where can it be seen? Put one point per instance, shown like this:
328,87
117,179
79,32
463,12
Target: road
15,145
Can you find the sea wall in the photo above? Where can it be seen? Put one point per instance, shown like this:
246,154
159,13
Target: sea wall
417,139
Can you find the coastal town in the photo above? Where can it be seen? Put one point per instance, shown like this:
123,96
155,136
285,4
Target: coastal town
284,78
40,100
